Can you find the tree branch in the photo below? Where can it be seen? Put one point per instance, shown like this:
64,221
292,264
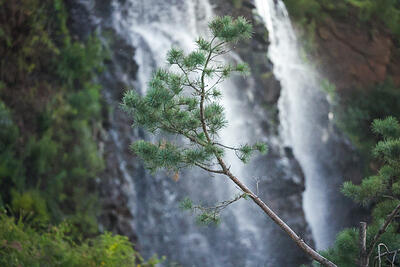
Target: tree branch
224,146
386,254
209,170
267,210
364,260
222,205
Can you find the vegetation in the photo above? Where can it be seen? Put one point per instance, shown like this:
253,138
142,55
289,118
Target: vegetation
52,111
50,117
382,192
387,12
185,104
22,245
356,112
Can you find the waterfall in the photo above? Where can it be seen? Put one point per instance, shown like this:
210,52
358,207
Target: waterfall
153,27
306,126
246,237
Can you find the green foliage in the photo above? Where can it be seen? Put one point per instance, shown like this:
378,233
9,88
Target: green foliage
228,29
205,215
10,166
380,191
186,204
303,9
32,205
167,106
50,116
378,187
330,89
386,12
362,107
346,241
206,218
77,61
186,104
23,246
49,162
208,215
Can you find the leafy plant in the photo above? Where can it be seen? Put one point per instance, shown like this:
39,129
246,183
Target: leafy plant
50,116
22,245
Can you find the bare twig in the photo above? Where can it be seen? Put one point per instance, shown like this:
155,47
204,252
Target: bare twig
218,208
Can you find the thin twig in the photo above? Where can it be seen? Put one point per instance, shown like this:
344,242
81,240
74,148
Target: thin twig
224,146
208,169
222,205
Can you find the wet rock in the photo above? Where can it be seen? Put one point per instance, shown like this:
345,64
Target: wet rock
254,51
77,12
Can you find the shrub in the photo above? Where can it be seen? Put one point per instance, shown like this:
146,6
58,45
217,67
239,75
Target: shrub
21,245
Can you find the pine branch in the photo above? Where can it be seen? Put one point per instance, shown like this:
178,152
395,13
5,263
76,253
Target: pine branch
208,119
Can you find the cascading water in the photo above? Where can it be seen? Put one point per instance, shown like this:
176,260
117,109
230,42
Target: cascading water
246,236
153,27
305,116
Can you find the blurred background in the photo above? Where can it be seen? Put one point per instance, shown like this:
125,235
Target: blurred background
321,71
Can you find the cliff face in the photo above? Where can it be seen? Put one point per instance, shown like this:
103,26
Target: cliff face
362,60
354,56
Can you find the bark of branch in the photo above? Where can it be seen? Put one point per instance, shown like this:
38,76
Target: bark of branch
267,210
364,259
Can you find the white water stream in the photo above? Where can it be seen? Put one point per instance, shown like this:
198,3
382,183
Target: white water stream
246,236
153,27
305,124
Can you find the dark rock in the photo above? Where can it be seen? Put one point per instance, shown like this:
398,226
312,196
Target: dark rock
78,12
254,51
